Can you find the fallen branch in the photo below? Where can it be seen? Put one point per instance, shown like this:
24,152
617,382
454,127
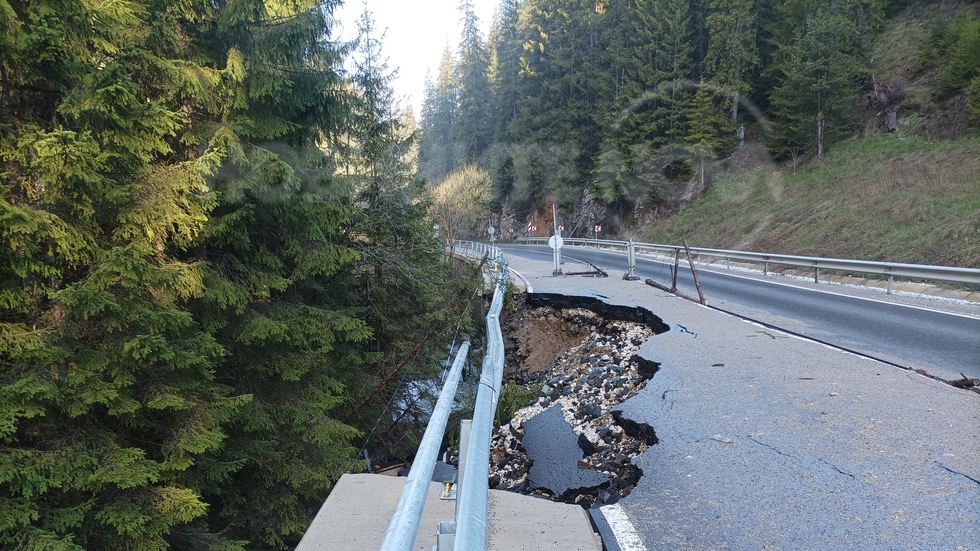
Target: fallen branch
391,374
965,382
597,273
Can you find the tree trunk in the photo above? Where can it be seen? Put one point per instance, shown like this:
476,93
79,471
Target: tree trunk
891,121
701,190
820,126
5,112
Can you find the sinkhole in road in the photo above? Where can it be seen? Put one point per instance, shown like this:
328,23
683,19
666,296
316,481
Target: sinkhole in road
577,359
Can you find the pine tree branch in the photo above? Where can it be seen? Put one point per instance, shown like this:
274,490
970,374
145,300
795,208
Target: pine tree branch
392,373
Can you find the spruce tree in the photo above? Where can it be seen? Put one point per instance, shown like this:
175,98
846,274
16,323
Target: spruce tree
110,394
674,50
819,85
398,275
542,30
281,294
559,84
503,75
438,153
732,52
707,129
505,51
630,41
374,147
472,130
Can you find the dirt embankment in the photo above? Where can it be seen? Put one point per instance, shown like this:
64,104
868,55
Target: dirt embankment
533,342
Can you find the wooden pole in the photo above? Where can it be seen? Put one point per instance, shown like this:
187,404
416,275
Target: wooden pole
697,282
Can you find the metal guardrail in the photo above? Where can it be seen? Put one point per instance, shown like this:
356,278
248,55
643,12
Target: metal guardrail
472,491
476,249
471,516
404,525
948,274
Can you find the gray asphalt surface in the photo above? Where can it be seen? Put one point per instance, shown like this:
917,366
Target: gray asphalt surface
944,343
768,441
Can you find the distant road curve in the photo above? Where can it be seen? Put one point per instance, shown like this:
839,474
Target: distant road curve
941,343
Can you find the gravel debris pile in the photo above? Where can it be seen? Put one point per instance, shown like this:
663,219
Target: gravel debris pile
586,383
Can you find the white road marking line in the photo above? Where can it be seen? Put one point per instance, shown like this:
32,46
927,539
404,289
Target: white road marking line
527,284
622,528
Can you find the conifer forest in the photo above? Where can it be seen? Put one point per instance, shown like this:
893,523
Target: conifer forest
218,263
214,250
620,109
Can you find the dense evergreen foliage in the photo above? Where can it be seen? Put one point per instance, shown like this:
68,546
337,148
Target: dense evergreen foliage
631,102
212,245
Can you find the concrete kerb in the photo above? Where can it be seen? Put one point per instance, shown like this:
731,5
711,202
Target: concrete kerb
360,506
527,285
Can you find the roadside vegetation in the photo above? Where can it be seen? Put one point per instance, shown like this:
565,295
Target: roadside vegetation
218,275
840,129
881,198
912,195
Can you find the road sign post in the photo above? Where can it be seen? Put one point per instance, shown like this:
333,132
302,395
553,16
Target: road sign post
555,242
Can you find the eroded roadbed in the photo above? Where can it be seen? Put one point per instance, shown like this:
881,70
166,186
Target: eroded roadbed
569,442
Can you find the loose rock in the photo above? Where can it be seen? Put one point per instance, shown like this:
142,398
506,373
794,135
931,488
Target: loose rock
598,370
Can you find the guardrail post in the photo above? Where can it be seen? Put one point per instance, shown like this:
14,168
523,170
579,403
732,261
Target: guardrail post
631,261
816,275
673,279
694,272
891,280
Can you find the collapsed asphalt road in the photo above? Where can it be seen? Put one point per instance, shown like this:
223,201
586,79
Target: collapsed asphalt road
769,441
570,443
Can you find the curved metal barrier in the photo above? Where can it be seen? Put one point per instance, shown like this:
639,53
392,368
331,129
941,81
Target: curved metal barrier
471,511
404,526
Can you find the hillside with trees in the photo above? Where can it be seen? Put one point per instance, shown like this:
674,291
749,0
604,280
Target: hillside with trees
625,113
216,268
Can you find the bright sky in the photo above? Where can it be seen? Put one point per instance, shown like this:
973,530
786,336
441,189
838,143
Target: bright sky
416,32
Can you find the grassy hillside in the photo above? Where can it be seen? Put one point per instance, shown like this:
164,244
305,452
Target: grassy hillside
879,198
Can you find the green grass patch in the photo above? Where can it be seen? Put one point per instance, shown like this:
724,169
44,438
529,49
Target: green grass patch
513,397
882,198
